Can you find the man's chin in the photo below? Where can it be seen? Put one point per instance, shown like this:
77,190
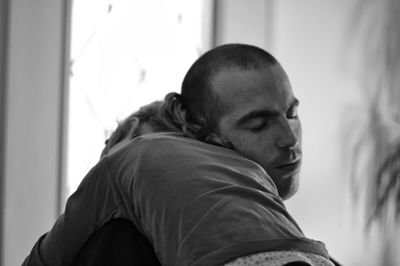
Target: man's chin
288,194
288,186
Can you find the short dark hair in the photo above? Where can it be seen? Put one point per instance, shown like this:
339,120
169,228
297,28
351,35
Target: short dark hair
202,105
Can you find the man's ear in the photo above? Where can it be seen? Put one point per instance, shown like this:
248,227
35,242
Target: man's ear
135,125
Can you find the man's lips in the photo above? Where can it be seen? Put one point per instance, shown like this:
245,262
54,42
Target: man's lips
289,167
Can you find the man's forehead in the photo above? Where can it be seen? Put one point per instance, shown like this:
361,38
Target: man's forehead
247,77
255,88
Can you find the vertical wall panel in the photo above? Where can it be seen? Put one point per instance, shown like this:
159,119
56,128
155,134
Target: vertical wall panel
33,133
3,67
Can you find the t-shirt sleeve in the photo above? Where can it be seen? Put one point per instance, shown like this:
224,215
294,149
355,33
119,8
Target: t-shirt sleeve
34,258
93,203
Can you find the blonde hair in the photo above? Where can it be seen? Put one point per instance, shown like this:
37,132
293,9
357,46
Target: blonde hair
150,114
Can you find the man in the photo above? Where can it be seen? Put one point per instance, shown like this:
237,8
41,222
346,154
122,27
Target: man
242,94
239,96
227,208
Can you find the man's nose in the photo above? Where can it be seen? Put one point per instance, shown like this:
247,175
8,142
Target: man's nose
288,135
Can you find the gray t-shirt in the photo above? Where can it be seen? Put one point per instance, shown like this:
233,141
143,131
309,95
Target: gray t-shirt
198,204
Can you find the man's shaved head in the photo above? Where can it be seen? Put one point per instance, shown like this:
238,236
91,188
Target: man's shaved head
199,100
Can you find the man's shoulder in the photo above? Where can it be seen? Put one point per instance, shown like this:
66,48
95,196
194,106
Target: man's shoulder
162,150
153,139
166,148
165,143
174,148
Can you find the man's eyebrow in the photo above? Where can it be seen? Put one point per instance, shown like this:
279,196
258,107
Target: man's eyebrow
256,114
263,113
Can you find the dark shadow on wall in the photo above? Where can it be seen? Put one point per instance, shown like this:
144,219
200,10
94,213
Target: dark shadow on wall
4,8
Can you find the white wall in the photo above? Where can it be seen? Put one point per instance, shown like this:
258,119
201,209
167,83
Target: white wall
310,39
245,21
32,157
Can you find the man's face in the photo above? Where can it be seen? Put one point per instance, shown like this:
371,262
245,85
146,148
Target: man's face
261,121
